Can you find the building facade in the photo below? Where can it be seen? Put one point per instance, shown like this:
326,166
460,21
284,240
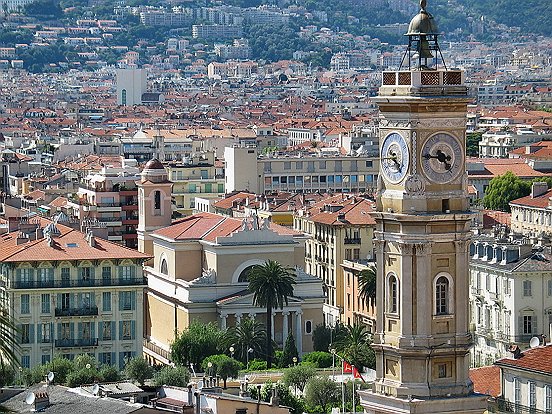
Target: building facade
339,228
71,293
246,170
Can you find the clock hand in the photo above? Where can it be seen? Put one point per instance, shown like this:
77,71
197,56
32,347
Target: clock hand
439,156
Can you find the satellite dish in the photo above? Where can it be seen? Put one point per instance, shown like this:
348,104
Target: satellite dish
200,384
30,399
95,389
50,376
534,342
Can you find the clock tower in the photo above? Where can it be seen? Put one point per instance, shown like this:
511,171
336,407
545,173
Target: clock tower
422,341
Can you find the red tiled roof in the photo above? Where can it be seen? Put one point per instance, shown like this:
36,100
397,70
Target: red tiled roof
537,202
486,380
69,245
536,359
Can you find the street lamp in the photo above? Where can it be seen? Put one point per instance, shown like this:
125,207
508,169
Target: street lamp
294,359
209,366
232,351
332,350
249,351
342,379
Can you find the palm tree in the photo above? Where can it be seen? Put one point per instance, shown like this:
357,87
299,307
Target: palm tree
271,285
354,345
248,334
367,283
8,343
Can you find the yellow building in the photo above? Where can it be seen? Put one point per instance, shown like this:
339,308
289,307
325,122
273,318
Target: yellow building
340,228
71,293
200,267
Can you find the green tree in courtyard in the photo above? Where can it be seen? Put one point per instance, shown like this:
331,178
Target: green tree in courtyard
271,285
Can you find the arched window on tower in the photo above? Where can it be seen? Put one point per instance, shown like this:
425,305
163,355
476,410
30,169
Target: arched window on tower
157,200
442,296
393,304
164,267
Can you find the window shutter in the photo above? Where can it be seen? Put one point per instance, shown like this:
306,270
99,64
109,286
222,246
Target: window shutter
18,275
92,299
51,332
59,330
520,328
121,302
113,332
38,333
92,274
58,300
120,330
71,300
19,335
31,275
113,358
93,330
79,330
133,300
534,324
120,272
72,330
31,333
132,329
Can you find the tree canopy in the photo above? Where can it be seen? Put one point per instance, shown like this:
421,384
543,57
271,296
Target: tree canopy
505,188
196,343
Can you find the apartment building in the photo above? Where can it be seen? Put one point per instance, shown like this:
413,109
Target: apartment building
71,293
532,214
510,294
216,31
195,176
300,172
357,309
110,197
340,228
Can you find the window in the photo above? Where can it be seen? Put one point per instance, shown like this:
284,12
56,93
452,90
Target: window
442,370
393,304
86,300
126,300
517,391
308,327
106,275
25,304
45,359
85,273
164,267
86,328
550,287
532,395
441,296
107,330
25,333
157,200
526,288
44,333
65,301
127,332
527,324
65,331
106,301
548,398
124,97
46,277
287,165
105,358
45,303
26,361
369,164
127,272
65,276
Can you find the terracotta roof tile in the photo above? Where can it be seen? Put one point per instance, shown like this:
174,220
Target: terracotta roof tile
541,201
486,380
536,359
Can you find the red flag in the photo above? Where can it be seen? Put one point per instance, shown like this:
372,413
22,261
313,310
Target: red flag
347,368
356,374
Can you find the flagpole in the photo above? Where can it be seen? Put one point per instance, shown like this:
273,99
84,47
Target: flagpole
354,406
342,386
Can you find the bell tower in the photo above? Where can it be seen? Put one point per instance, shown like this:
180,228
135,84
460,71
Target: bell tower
154,203
422,341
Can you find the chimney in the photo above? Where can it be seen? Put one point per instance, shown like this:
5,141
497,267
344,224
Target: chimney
13,224
39,234
198,402
21,238
538,188
42,400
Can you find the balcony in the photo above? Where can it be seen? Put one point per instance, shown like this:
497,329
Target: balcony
352,240
76,343
424,82
502,406
63,284
91,311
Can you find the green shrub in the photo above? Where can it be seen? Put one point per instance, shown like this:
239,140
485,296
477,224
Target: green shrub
319,358
61,367
81,377
138,369
257,365
176,376
109,373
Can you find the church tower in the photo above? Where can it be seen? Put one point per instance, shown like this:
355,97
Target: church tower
422,236
154,203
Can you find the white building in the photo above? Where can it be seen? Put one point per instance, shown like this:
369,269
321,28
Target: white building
131,85
510,294
499,144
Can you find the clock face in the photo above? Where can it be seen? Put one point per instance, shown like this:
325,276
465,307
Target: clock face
442,158
394,157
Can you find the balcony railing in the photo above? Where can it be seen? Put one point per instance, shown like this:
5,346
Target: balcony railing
352,240
157,349
91,311
79,283
75,343
502,406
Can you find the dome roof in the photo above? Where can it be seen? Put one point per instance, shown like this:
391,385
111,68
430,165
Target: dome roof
154,164
423,23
